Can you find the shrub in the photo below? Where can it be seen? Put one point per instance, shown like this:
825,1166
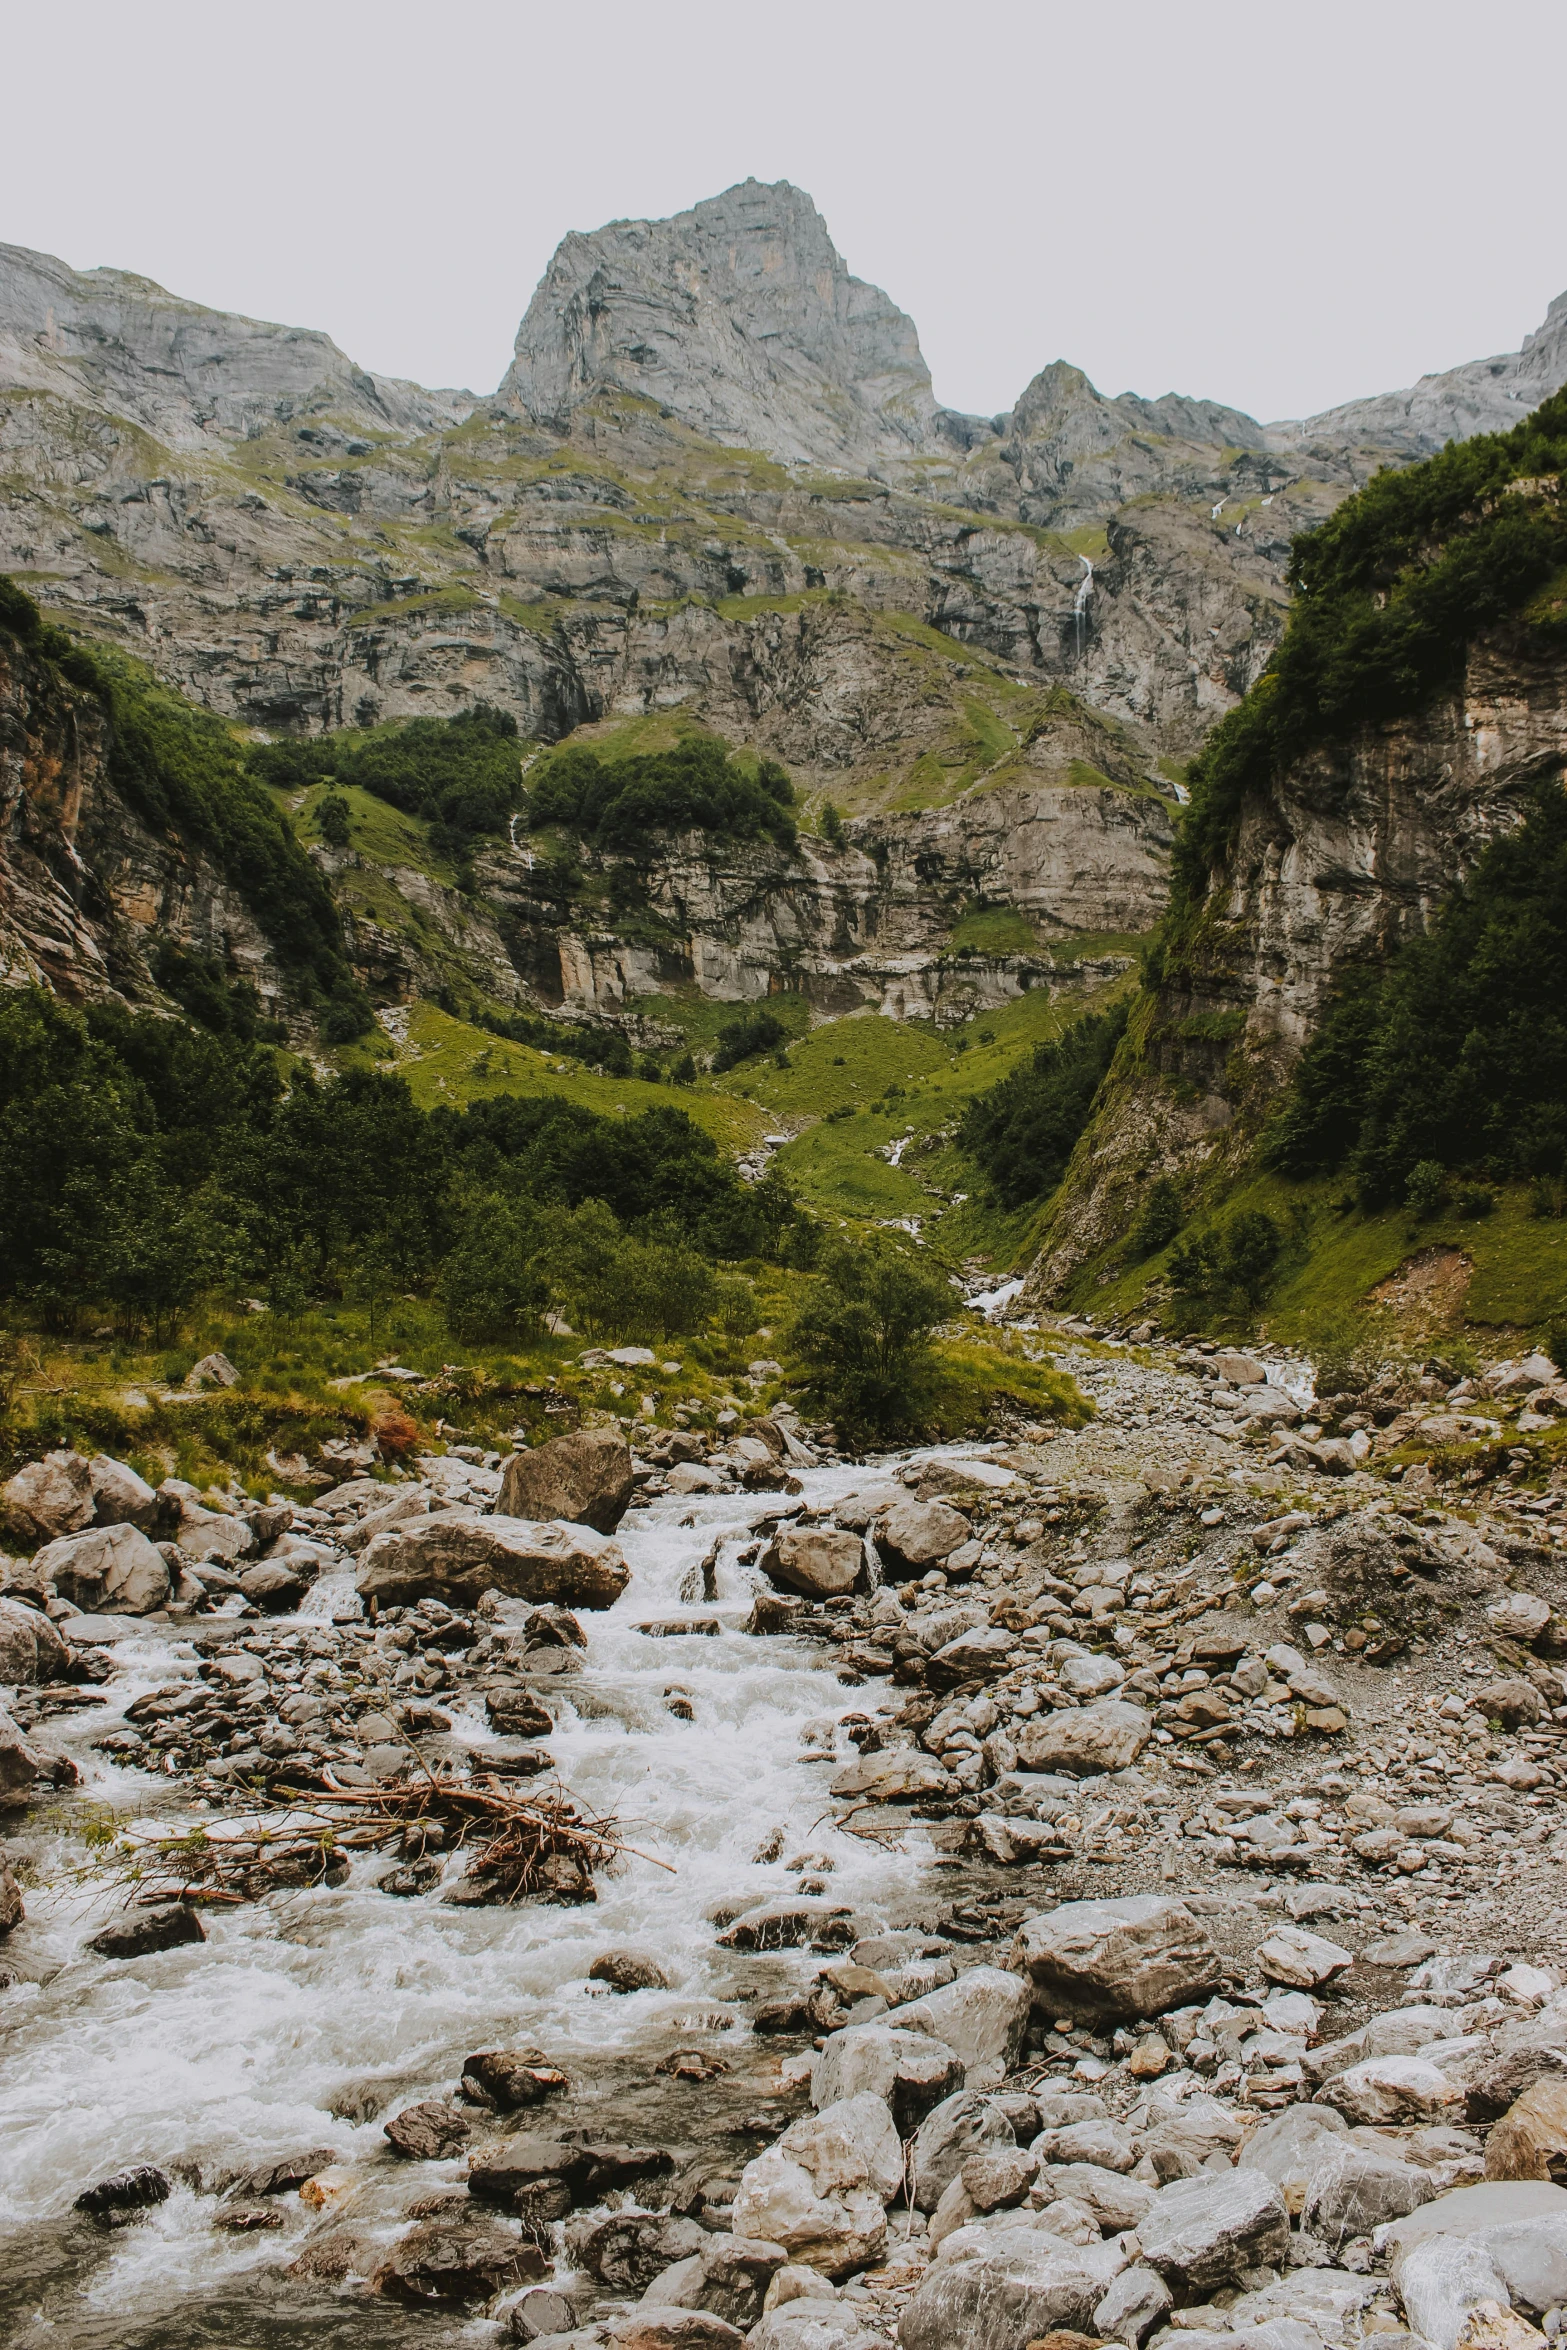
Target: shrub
1235,1262
332,820
1425,1187
1160,1221
740,1040
462,775
863,1337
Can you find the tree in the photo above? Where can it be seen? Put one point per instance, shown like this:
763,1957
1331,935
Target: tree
1024,1130
832,824
494,1282
332,820
863,1336
1160,1221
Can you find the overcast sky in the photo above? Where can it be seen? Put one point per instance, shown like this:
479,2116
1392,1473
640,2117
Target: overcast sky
1281,207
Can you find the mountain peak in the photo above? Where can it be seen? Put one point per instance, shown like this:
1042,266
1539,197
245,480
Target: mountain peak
740,318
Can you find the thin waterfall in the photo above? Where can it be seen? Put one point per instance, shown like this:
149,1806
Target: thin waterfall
1085,589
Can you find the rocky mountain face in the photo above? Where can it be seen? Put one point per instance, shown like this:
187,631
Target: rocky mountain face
1350,850
715,481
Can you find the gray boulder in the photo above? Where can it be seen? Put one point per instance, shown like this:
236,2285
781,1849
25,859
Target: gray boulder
108,1571
120,1497
970,2123
728,2278
915,1536
1138,2300
983,2017
1443,2279
627,2250
977,1655
819,1561
1115,2201
47,1498
1022,2285
21,1764
585,1479
1353,2189
31,1650
629,1970
1106,1736
815,2325
910,2071
1291,2149
1134,1957
1187,2139
1201,2231
900,1775
456,1557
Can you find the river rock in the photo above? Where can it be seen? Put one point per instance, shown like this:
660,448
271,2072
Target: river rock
819,1561
31,1649
629,1970
108,1571
627,2250
13,1911
1530,2140
1201,2231
204,1533
47,1498
980,1654
272,1586
409,1501
584,1479
1137,2301
821,2191
120,1497
915,1536
1003,2291
114,2199
983,2017
1133,1957
511,2079
1352,2190
815,2325
967,2124
1107,1736
1291,1955
1392,2089
429,2132
728,2278
21,1764
900,1774
457,1558
910,2071
148,1930
452,2263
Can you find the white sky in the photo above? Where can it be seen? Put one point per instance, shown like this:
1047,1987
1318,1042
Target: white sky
1282,207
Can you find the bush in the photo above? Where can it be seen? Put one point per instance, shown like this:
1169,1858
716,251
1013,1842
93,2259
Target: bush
1425,1188
621,802
1160,1221
1234,1263
1024,1130
332,820
863,1337
740,1040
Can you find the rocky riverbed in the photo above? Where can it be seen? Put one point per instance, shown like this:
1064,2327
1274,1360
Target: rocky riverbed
1101,1883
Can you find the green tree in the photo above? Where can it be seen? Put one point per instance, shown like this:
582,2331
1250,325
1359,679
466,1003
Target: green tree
1024,1130
864,1335
494,1281
1160,1221
332,819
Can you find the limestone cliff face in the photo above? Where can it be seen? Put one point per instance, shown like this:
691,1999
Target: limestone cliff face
741,318
1350,851
86,888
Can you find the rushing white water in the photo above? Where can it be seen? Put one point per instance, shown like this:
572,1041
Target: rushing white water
304,2020
1085,588
991,1302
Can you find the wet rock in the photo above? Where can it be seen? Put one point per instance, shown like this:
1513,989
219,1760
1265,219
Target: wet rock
818,1561
334,2254
31,1649
288,2172
248,2219
915,1536
1011,2288
12,1911
1106,1736
457,1558
629,2249
548,2310
511,2079
1200,2232
1392,2089
149,1930
585,1478
47,1498
1135,1957
108,1571
629,1970
728,2278
273,1587
909,2071
782,1925
983,2017
429,2132
453,2263
901,1774
516,1712
120,1497
115,2200
968,2124
1138,2300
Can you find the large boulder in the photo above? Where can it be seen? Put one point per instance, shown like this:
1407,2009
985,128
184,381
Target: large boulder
451,2262
456,1557
899,1774
48,1497
822,2191
21,1765
970,2123
1134,1957
1398,2089
31,1649
585,1478
728,2277
820,1561
1005,2288
1354,2189
1083,1740
120,1497
1292,2149
910,2071
108,1571
1202,2231
982,2017
203,1533
915,1536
